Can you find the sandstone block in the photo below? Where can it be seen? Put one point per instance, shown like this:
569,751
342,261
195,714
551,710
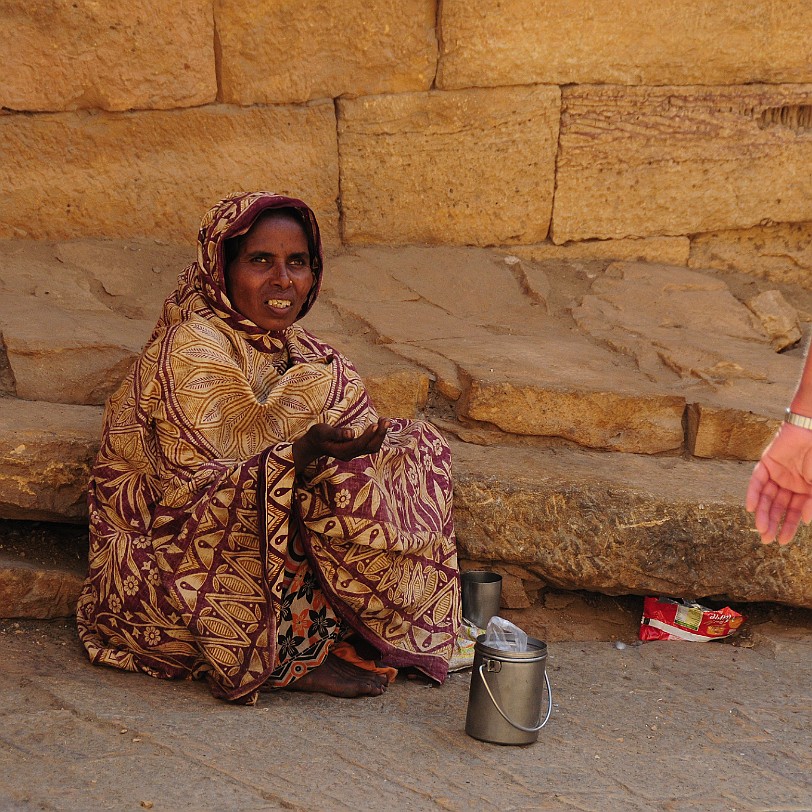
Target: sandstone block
781,253
778,318
681,323
507,364
28,591
716,432
474,166
399,393
595,419
156,173
627,42
644,161
623,524
275,52
63,55
46,451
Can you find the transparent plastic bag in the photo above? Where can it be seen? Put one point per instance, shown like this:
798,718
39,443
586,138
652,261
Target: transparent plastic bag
502,635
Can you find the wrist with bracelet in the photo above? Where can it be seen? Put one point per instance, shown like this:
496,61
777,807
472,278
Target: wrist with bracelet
797,419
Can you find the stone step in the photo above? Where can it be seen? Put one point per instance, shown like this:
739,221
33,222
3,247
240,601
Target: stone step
46,451
620,356
42,567
623,524
618,524
601,408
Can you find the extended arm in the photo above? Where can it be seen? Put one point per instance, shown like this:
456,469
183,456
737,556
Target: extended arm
780,488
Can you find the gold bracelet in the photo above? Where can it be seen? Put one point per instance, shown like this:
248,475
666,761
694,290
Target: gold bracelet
798,420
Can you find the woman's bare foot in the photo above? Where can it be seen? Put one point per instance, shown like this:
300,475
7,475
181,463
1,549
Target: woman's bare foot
339,678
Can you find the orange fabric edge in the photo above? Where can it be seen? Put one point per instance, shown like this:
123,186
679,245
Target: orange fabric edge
346,651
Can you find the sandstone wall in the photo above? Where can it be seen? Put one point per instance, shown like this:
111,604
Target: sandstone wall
570,128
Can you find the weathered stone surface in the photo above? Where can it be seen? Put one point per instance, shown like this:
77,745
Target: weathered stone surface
36,591
330,49
623,524
513,594
605,419
778,318
642,161
42,567
73,316
781,253
511,365
166,168
662,317
518,368
667,250
130,277
63,55
474,166
401,393
80,358
715,432
46,450
625,42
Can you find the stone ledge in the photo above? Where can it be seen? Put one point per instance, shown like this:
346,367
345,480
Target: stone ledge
42,568
28,591
46,450
623,524
611,523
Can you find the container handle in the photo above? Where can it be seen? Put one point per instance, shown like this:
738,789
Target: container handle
506,717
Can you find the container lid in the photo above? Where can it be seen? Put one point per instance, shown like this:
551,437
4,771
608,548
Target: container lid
536,650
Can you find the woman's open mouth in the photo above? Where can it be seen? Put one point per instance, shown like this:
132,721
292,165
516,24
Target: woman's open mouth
279,304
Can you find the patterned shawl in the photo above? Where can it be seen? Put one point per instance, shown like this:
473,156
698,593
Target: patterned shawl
194,499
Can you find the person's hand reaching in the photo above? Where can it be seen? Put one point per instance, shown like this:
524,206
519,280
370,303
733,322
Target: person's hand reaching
781,485
322,440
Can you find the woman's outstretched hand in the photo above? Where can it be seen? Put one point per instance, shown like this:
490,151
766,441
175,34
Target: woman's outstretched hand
781,485
322,440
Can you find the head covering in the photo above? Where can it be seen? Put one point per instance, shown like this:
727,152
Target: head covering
232,217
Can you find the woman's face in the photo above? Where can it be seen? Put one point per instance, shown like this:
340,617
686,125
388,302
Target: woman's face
269,279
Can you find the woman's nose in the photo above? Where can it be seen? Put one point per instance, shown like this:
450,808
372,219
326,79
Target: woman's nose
279,274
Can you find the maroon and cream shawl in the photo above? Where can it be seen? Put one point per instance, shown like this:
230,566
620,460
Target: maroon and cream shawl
195,505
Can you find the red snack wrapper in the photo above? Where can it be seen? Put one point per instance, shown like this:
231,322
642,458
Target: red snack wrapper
671,619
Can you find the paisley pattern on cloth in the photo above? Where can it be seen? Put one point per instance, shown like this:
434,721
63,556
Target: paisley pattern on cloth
208,558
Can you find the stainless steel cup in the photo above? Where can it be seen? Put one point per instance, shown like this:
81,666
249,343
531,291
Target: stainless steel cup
481,595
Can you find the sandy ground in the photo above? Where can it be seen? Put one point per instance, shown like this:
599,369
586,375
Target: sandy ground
666,726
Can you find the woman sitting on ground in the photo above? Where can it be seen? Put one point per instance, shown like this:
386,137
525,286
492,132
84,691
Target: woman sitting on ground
252,520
